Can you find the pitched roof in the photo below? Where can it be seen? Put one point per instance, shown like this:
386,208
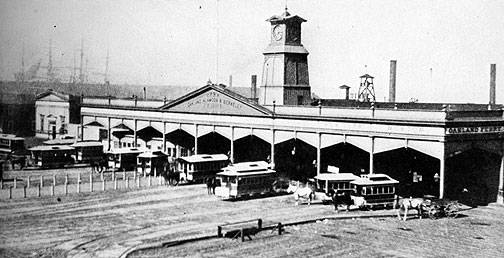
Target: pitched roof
52,92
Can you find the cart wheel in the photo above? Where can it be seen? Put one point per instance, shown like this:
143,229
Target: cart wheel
173,181
452,210
433,213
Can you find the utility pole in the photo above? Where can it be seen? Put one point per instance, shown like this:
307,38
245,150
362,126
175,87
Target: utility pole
107,66
81,74
50,72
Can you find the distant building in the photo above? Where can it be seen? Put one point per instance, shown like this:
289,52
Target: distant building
56,114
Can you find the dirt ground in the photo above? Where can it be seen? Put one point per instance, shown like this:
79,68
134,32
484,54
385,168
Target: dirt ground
113,223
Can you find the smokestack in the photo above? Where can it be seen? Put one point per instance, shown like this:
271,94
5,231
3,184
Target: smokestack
392,87
253,90
347,91
230,80
492,83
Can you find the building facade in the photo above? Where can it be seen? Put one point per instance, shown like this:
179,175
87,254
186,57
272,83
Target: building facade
437,150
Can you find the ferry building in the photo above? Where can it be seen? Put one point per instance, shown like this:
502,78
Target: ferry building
430,148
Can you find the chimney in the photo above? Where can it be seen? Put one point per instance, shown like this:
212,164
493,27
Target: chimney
253,90
392,87
230,80
347,91
492,84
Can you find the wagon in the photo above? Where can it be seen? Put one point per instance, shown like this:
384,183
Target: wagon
443,208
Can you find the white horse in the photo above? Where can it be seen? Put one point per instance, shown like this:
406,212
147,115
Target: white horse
419,204
305,193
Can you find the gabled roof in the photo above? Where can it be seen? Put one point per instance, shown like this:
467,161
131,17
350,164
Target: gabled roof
233,103
54,93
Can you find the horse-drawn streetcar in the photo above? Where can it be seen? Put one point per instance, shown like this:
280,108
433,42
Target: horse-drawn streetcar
329,183
245,179
198,168
374,190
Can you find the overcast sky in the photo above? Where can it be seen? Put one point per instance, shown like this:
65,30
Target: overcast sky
443,48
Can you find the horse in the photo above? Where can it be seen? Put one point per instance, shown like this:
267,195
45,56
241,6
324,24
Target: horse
341,197
419,204
305,192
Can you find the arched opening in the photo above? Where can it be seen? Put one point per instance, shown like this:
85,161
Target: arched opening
148,134
415,171
251,148
347,157
295,159
181,138
472,177
213,143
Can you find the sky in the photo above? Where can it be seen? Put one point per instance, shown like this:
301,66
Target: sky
443,48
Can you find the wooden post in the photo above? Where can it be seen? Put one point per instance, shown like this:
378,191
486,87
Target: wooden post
115,183
78,182
124,174
28,182
134,175
150,183
91,182
103,185
113,175
127,182
138,182
144,172
38,191
52,190
66,178
41,181
160,180
219,231
242,235
279,228
10,192
101,176
259,224
15,182
24,191
54,179
66,188
155,171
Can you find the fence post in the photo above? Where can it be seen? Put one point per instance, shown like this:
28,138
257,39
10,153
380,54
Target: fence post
259,224
38,191
24,191
101,175
66,178
10,192
115,183
134,175
159,180
124,174
66,188
127,182
155,172
15,182
78,182
52,190
91,182
28,182
41,181
219,231
103,185
279,228
113,175
242,235
138,182
54,179
150,183
144,172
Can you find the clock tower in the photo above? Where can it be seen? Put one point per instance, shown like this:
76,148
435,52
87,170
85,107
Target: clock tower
285,69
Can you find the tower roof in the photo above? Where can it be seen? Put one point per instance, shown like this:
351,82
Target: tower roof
285,17
367,76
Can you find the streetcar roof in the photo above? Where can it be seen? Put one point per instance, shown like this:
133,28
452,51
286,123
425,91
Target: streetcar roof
87,144
151,154
51,148
374,179
337,177
59,141
127,150
247,168
10,137
204,158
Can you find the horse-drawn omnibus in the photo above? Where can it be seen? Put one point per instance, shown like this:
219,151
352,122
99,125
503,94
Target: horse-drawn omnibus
151,162
197,168
124,158
374,190
245,179
327,184
88,151
52,156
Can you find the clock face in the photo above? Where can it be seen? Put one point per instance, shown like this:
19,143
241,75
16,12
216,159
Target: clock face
277,33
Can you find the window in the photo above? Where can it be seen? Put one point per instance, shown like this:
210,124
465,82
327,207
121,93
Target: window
41,123
300,100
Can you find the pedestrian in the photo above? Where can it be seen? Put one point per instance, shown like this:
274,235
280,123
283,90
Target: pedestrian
214,185
209,185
